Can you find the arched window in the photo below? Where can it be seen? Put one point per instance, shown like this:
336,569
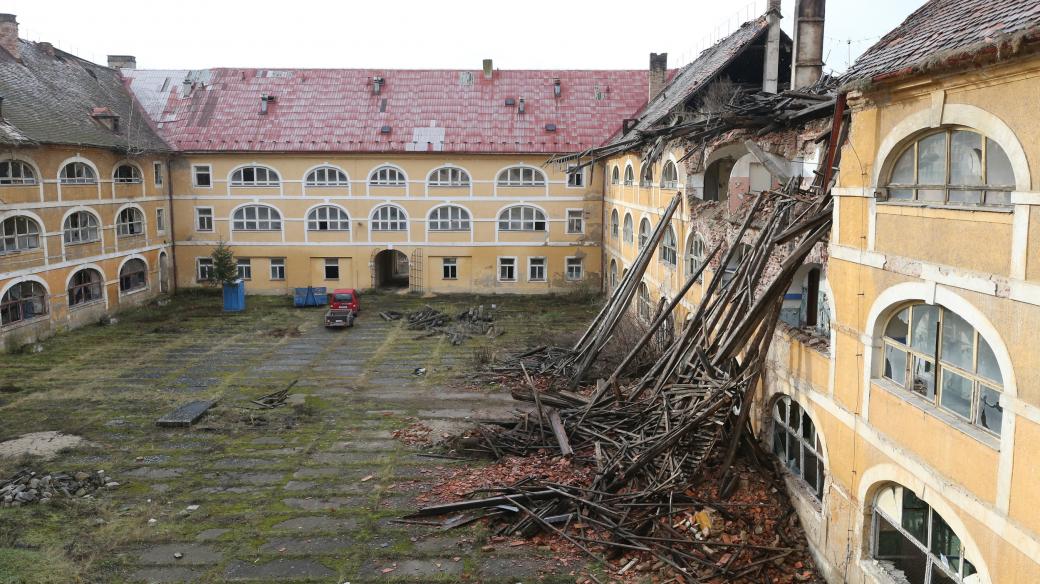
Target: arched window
19,233
130,221
613,275
327,176
127,174
16,172
449,218
644,232
646,176
628,230
913,543
615,228
643,306
630,176
694,255
952,166
448,176
77,173
932,352
81,227
387,176
133,275
389,218
328,218
669,248
23,301
669,176
521,218
255,176
256,218
615,176
521,176
796,444
85,286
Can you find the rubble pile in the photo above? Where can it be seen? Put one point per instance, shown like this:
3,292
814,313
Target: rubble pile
474,321
27,487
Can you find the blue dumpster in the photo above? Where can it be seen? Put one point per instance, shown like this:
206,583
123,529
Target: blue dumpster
309,296
235,296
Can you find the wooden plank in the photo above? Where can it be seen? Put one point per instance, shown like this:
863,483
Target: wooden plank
560,432
186,415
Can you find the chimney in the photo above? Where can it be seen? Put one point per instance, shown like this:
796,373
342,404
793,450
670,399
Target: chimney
488,69
658,74
771,67
9,35
122,61
808,43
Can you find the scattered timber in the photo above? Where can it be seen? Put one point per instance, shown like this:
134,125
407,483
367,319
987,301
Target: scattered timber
474,321
185,415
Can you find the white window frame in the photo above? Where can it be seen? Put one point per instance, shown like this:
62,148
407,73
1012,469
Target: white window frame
157,173
520,176
544,266
381,177
794,435
499,264
277,269
615,224
522,222
569,263
341,221
628,230
27,235
273,219
119,277
160,219
669,184
201,262
341,178
388,223
130,222
136,176
94,227
26,173
435,222
579,175
450,268
244,268
197,169
456,177
272,179
575,215
669,250
199,217
329,263
89,175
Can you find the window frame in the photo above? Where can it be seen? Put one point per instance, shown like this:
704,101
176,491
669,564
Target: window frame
646,176
123,291
796,433
196,171
73,289
615,175
160,219
575,217
668,254
10,305
570,273
203,269
628,231
374,179
669,184
389,224
92,179
157,173
644,237
19,181
331,263
643,309
244,268
93,225
499,265
544,265
461,224
130,222
450,268
256,182
342,179
340,223
630,175
695,260
136,175
520,224
458,177
273,220
612,281
615,224
536,178
575,179
18,237
199,217
276,271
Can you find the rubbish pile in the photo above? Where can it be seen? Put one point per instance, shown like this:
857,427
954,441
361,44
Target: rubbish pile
27,487
474,321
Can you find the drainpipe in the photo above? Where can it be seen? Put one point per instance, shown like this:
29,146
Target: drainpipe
173,226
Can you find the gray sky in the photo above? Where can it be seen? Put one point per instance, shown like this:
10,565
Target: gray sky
404,34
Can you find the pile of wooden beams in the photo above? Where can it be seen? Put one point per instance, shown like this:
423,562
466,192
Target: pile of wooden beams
456,328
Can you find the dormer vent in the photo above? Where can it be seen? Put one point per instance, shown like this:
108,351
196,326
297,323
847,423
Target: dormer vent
106,117
557,89
521,108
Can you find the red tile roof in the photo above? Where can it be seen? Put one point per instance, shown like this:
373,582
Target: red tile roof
943,32
337,110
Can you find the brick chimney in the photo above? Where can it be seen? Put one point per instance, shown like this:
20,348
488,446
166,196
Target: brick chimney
122,61
9,35
658,74
771,67
808,43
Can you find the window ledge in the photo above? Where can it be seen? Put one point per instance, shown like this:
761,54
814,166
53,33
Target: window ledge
76,243
24,323
951,420
134,291
982,208
797,487
85,305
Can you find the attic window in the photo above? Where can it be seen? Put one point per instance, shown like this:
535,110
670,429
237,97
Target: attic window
385,130
550,127
510,101
106,117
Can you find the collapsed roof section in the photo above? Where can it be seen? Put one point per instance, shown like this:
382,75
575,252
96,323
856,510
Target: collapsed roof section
52,97
379,110
947,34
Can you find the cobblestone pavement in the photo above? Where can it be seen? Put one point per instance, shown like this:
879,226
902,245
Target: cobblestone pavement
305,492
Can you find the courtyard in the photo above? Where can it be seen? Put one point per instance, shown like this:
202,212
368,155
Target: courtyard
304,492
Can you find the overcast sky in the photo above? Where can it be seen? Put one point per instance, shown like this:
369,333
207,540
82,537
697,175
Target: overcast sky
402,34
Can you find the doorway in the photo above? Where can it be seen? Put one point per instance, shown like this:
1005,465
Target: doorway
164,273
716,180
390,269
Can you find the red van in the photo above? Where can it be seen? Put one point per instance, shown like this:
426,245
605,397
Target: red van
345,298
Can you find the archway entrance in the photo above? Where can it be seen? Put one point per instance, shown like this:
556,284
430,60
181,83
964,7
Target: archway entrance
164,273
390,269
716,180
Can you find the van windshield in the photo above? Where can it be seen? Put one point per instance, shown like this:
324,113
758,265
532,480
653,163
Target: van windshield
344,298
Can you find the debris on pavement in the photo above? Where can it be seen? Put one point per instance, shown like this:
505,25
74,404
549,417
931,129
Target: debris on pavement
474,321
27,487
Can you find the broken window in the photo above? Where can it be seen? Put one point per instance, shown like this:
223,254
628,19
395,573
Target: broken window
81,227
536,269
160,219
797,445
133,275
629,176
575,268
936,354
521,176
277,268
387,176
332,268
644,232
389,218
615,176
450,268
130,222
646,176
575,221
669,253
256,218
203,269
19,233
694,255
85,287
449,176
629,235
669,176
77,173
643,306
328,218
954,167
805,303
204,218
449,218
127,174
16,172
244,268
521,218
23,301
913,543
507,269
157,173
255,176
613,275
614,227
575,177
327,176
202,176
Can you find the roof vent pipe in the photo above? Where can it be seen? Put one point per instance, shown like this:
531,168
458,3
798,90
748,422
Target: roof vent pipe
9,35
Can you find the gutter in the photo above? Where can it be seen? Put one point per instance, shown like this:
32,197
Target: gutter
173,225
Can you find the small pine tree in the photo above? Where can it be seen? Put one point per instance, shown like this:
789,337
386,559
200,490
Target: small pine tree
225,269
